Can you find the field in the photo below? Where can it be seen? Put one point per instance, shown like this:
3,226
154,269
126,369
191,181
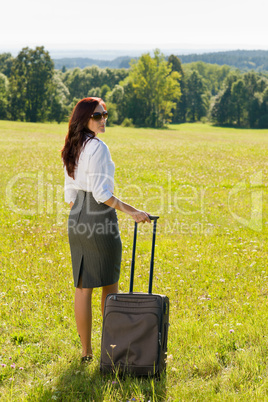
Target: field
209,186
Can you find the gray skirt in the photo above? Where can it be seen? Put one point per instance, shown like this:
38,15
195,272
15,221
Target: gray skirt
95,242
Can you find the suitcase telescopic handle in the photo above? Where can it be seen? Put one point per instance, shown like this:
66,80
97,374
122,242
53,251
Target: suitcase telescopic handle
153,218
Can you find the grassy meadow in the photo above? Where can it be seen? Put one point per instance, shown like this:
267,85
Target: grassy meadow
209,186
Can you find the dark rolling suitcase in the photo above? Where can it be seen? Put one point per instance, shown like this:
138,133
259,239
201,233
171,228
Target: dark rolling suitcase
135,327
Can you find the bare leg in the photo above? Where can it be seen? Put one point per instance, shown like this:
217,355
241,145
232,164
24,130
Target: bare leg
83,317
105,291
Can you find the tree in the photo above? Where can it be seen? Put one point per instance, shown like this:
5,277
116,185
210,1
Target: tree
31,85
222,106
254,109
3,96
112,77
78,82
179,114
239,100
116,97
81,82
113,116
222,111
6,61
262,84
59,103
156,86
131,107
104,91
263,120
197,97
213,75
95,92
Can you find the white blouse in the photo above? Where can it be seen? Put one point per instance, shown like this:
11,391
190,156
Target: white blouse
94,173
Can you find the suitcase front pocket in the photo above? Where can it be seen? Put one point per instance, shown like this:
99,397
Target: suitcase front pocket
117,302
130,299
130,339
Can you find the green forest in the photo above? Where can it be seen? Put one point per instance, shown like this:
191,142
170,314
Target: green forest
152,92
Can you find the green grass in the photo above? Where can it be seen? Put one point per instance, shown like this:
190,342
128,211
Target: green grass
209,186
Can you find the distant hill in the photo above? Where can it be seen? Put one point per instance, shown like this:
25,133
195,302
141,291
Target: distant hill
82,62
242,59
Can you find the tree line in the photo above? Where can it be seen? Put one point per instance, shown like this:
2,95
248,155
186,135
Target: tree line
151,93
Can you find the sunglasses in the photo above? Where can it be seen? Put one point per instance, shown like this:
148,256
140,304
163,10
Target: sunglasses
98,116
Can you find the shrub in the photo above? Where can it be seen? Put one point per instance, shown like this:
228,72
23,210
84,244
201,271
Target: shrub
127,122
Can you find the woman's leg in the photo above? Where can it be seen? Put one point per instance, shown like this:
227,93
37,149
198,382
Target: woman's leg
105,291
83,317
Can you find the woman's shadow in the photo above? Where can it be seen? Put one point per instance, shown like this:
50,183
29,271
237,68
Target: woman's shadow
85,382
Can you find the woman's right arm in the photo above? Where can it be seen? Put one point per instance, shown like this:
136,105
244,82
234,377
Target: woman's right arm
136,214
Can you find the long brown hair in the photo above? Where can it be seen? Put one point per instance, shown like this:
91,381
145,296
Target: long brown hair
78,133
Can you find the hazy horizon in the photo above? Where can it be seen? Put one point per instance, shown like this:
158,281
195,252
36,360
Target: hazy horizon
112,53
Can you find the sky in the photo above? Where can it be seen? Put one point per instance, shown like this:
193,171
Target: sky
139,24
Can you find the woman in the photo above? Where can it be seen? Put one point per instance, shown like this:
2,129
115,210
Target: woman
92,225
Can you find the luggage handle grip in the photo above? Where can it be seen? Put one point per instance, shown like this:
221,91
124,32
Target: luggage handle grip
153,218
